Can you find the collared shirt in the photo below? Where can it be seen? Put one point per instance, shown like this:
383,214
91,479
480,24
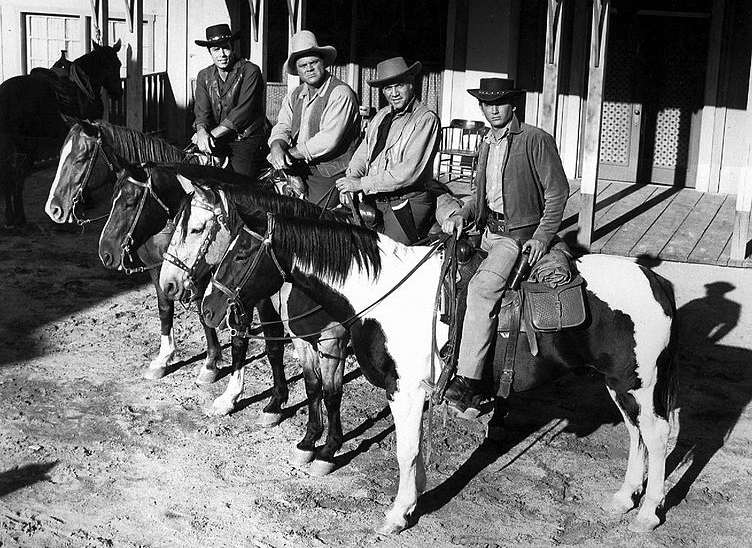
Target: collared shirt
407,157
497,153
236,102
338,116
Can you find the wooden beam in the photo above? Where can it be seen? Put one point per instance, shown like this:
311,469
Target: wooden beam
134,62
593,115
259,23
547,115
740,233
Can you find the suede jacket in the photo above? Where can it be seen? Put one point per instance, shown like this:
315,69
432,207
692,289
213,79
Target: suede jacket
534,185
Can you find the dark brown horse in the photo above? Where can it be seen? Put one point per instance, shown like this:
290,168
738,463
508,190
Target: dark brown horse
30,121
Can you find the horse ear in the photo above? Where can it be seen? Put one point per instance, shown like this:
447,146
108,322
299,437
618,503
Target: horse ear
116,46
70,121
96,46
90,129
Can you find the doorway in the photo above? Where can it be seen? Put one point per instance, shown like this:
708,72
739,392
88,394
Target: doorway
653,96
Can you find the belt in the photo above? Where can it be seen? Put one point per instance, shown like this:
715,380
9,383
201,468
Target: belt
495,215
399,194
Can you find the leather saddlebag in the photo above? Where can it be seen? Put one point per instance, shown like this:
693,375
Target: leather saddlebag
554,309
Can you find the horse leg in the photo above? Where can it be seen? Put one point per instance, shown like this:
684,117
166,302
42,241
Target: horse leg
225,404
209,370
332,363
407,410
166,357
624,499
18,209
305,450
273,329
655,432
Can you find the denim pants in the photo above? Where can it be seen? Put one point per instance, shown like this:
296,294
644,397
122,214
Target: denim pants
484,292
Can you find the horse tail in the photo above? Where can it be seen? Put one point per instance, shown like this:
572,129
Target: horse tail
667,383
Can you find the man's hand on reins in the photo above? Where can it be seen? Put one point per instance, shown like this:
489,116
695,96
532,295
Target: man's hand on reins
453,225
279,157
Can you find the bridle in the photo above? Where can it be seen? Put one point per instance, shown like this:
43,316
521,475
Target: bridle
234,305
127,243
219,219
99,148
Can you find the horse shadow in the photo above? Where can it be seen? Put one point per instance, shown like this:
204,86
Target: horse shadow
715,385
23,476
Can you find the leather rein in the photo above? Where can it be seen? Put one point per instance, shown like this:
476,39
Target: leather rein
235,307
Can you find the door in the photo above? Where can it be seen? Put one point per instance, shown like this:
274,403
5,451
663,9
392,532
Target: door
653,97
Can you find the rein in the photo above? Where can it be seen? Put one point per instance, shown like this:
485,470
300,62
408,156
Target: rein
98,149
128,240
235,307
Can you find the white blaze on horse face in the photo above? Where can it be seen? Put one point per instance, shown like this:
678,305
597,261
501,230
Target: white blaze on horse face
622,285
64,153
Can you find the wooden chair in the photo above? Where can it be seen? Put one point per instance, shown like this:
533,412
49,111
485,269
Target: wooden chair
458,152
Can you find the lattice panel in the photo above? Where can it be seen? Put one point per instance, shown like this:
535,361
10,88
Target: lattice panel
616,126
669,139
615,133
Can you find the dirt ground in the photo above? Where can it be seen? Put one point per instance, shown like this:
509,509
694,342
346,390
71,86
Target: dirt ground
93,455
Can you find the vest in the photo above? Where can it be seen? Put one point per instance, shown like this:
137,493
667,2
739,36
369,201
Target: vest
337,160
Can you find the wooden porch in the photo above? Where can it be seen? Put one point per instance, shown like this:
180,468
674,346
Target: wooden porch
656,221
662,222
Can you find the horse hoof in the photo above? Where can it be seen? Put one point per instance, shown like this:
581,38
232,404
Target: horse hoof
321,468
300,457
389,528
155,373
207,376
269,420
496,433
219,409
644,525
617,505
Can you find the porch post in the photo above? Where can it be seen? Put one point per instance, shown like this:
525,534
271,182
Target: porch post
353,68
547,113
259,19
296,10
593,114
103,21
740,234
177,71
135,62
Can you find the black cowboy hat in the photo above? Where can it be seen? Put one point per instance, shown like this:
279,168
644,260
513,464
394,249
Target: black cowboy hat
218,34
496,90
394,70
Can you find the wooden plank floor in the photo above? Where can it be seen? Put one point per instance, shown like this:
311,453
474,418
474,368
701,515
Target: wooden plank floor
662,222
656,221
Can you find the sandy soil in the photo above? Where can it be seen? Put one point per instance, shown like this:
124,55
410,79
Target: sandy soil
93,455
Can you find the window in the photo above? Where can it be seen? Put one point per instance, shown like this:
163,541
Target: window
47,35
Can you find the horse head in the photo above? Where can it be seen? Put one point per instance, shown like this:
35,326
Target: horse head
203,229
103,69
138,213
85,162
248,272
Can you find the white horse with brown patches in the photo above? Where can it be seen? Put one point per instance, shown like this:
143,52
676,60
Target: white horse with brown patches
384,292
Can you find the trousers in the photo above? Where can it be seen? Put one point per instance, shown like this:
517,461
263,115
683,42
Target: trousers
416,214
484,292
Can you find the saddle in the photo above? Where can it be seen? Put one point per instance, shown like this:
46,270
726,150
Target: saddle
551,299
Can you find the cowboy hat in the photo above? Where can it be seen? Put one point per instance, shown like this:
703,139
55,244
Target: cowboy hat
303,44
218,34
496,90
394,70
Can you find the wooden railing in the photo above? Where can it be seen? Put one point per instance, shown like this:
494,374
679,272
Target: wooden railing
155,109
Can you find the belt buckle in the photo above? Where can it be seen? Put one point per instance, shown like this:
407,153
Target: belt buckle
496,226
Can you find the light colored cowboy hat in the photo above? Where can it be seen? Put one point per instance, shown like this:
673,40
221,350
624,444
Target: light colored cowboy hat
394,70
218,34
496,90
303,44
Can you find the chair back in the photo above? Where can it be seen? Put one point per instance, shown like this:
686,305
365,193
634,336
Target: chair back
462,135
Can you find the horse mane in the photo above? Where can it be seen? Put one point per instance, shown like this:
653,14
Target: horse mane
327,248
137,147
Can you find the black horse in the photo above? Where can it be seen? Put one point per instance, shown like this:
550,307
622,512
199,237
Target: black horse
30,121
